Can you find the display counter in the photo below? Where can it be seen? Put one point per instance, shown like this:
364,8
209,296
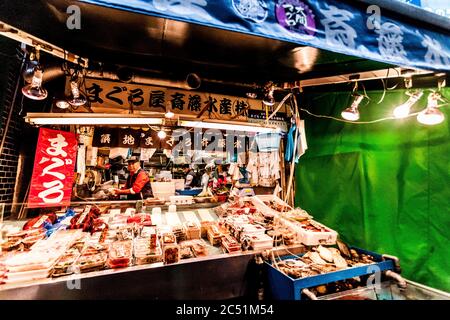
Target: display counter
226,270
224,276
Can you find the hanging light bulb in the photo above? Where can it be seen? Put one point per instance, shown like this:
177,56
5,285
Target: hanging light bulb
402,111
162,134
268,99
76,99
169,114
62,104
352,112
431,115
34,90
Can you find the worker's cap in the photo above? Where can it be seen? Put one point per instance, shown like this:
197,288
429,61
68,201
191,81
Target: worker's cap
132,159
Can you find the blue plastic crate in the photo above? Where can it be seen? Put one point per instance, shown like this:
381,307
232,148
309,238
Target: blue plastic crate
284,287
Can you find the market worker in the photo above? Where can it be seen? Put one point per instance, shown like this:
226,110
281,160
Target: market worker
138,185
191,180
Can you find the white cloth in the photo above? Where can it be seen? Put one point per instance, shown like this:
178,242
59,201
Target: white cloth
146,153
116,152
81,163
303,145
252,168
205,180
91,156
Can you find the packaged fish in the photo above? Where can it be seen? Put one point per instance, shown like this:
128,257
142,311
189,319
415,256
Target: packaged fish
171,253
120,254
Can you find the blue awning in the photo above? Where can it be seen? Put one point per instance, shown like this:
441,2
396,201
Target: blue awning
351,28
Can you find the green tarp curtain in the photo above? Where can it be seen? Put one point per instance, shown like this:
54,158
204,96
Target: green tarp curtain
384,186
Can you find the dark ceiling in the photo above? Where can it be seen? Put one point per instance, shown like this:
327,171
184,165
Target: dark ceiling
115,38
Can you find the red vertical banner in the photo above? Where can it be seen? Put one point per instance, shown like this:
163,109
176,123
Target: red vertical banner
54,165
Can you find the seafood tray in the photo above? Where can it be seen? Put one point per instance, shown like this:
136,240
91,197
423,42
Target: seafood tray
270,205
310,232
284,287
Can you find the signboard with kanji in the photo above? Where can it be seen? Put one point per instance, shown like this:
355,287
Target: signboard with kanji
107,96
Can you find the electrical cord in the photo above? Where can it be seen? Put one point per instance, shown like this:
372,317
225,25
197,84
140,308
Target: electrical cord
363,122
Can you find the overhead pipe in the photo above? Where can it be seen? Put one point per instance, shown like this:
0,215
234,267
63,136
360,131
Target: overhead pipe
191,82
51,73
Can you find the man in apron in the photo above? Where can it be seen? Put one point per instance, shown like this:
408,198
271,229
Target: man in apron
138,185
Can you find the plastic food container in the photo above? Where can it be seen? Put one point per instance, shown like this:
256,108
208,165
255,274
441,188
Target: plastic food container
168,238
28,261
171,254
261,242
214,235
143,252
312,237
10,245
310,232
186,251
193,230
261,201
120,254
230,244
63,266
199,248
154,257
92,262
13,277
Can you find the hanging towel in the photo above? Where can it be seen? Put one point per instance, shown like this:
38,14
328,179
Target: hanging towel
290,144
146,153
301,141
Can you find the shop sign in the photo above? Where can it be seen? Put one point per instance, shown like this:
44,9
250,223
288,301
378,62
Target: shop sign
106,95
150,140
279,120
105,137
129,138
295,16
54,164
346,27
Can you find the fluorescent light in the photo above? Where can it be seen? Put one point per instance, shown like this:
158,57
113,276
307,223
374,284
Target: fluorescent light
226,126
89,119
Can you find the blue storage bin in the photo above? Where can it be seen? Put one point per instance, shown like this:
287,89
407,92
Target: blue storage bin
284,287
189,192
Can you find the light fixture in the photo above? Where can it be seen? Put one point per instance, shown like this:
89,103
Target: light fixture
431,115
162,134
62,104
251,95
34,90
89,119
352,113
76,99
268,99
169,114
402,111
227,126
